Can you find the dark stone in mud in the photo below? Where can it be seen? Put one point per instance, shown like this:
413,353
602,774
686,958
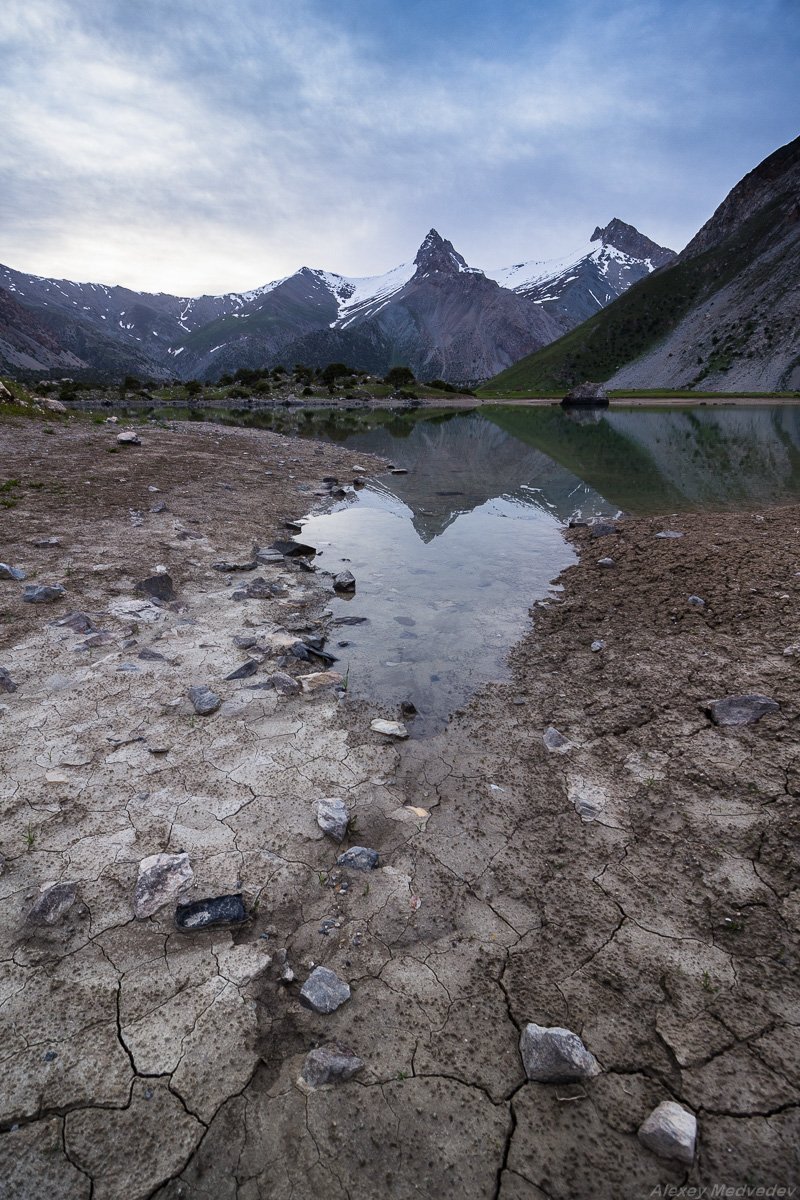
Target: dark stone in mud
270,558
6,682
248,668
301,651
159,586
408,708
46,543
324,991
158,507
204,700
330,1064
350,621
592,395
358,858
741,710
52,903
260,589
43,593
245,640
399,471
151,655
223,565
217,910
345,581
101,638
77,621
9,572
605,562
283,683
294,549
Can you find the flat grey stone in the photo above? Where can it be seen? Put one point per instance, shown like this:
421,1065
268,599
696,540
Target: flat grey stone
248,668
324,991
555,1055
9,572
129,438
224,565
670,1132
696,601
162,878
330,1064
79,622
204,700
389,728
555,741
53,902
741,710
605,562
602,528
332,817
358,858
6,682
42,593
669,533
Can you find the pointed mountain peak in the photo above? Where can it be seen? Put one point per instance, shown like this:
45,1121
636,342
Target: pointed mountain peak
437,254
628,240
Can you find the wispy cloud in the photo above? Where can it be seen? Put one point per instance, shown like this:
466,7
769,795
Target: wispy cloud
205,146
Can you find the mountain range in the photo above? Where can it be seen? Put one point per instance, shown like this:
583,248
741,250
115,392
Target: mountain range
724,315
436,314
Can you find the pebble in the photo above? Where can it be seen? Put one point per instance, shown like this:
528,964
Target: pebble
204,700
6,682
330,1064
9,572
696,601
597,646
670,1132
159,586
669,533
248,668
345,581
129,438
741,710
332,817
555,1055
43,593
161,879
324,991
217,910
389,728
605,562
53,902
358,858
555,741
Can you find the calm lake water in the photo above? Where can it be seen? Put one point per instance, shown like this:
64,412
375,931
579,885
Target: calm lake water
450,557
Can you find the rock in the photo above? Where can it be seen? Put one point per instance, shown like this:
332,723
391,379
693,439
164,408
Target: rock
740,710
670,1132
260,589
270,557
555,1055
696,601
669,533
9,572
330,1064
204,700
345,581
555,741
586,395
149,655
349,620
248,668
53,901
597,646
358,858
42,593
605,562
158,507
319,680
77,621
224,565
245,640
218,910
408,708
159,586
324,991
283,683
293,549
162,878
112,420
5,394
52,405
7,683
129,438
46,543
602,528
389,728
332,817
101,638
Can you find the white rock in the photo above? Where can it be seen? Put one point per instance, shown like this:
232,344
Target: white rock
555,1055
670,1132
389,728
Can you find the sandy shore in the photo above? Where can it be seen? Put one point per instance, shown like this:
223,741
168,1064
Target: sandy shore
638,886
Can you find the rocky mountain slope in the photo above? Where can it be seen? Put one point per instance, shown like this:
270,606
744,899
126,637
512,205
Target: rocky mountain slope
723,317
438,315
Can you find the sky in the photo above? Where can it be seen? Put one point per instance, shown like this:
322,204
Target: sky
195,146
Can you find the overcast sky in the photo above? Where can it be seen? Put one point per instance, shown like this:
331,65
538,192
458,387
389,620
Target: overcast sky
214,145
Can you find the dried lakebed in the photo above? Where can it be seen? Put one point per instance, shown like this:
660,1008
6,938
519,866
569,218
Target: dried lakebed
636,886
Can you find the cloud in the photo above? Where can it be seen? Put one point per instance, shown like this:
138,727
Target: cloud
199,146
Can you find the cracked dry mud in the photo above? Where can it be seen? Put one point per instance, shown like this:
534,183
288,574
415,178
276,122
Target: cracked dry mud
139,1061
